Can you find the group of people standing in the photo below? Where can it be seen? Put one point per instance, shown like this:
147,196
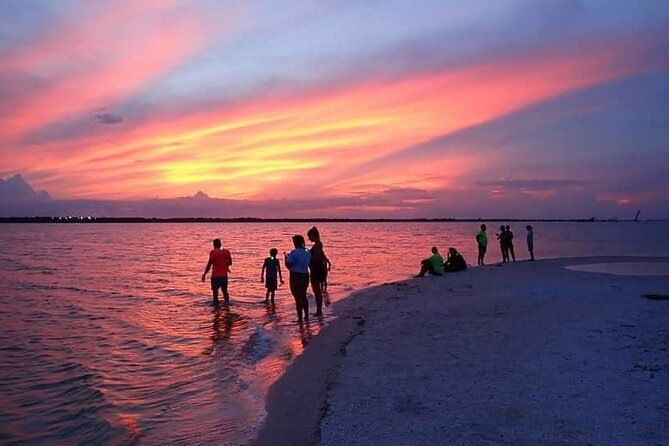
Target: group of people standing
311,266
305,266
505,237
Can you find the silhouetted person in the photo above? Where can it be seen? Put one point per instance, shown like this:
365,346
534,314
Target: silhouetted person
433,264
221,260
482,242
509,244
454,261
270,269
297,263
324,283
317,268
530,241
502,236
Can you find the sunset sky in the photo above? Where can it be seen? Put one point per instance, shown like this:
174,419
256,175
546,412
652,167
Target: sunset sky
514,108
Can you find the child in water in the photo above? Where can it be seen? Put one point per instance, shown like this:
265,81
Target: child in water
270,269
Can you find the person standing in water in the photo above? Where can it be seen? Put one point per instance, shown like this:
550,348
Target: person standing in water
297,263
324,283
530,241
270,269
509,244
482,242
317,268
221,261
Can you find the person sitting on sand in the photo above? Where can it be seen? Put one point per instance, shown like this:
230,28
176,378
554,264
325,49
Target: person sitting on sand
272,267
221,261
530,241
454,261
297,263
509,244
482,242
433,264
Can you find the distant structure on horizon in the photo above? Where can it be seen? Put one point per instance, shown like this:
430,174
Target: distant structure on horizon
636,218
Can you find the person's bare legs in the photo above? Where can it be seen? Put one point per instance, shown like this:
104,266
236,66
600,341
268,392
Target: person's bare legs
318,294
226,296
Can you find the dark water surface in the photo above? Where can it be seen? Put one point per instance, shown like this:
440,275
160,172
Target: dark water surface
107,335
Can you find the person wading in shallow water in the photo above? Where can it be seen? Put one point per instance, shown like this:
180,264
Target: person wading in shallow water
221,261
317,267
270,269
297,263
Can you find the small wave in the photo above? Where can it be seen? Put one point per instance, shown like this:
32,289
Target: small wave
258,346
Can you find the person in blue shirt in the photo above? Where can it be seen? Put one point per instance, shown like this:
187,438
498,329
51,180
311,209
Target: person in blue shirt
297,263
530,241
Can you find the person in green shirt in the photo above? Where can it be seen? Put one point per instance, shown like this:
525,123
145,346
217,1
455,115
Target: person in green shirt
433,264
482,242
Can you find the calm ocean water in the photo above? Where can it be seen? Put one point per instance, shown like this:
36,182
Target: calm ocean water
107,335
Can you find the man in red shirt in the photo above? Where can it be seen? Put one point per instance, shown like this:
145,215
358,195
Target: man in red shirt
221,260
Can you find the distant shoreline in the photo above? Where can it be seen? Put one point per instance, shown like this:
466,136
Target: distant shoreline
89,220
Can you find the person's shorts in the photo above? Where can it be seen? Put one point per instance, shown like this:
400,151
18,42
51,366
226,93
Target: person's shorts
270,283
482,249
219,282
530,246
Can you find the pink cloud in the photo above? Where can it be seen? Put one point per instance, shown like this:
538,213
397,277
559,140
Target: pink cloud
118,49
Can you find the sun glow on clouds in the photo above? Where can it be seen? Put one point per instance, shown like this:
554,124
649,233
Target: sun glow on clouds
252,149
327,140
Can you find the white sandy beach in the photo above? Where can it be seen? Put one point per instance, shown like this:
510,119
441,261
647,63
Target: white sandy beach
525,353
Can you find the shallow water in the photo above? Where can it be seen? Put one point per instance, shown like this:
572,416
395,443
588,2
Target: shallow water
107,335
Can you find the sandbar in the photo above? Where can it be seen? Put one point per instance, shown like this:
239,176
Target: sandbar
522,353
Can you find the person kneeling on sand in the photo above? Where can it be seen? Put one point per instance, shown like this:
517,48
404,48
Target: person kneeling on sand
433,264
454,261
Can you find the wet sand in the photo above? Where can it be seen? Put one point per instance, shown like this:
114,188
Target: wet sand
525,353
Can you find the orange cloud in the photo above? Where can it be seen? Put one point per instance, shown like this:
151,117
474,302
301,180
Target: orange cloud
307,144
